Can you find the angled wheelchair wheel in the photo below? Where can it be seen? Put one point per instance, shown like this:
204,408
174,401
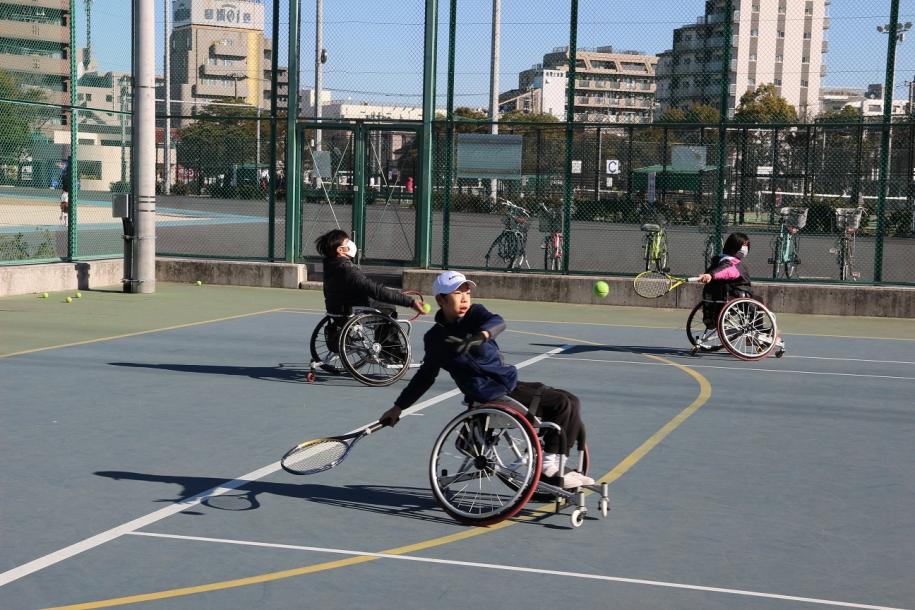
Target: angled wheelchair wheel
695,329
485,465
374,349
324,345
747,329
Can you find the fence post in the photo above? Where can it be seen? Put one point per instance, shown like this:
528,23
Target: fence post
271,196
449,136
293,169
887,132
358,211
424,202
567,193
73,195
723,117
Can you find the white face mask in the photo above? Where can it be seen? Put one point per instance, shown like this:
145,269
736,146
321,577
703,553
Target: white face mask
745,250
351,249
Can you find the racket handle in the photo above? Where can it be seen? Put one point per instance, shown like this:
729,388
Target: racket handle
374,428
692,280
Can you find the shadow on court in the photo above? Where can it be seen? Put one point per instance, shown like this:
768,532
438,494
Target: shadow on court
408,502
283,372
632,349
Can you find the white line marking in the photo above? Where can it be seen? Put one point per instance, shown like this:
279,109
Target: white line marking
735,368
107,536
851,359
509,568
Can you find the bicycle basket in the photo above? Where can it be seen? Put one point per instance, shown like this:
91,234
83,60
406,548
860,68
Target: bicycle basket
795,217
849,219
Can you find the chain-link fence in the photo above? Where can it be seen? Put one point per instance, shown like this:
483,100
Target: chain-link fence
627,135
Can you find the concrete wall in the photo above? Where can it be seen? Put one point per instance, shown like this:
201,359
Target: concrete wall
54,277
827,299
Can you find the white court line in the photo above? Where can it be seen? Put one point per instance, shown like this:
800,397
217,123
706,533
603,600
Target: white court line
851,359
107,536
736,368
509,568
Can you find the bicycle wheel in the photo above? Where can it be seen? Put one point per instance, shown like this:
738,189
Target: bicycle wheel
501,246
791,259
662,253
695,329
747,329
843,258
325,346
776,259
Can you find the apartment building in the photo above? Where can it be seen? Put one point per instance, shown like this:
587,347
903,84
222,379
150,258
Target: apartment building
610,86
35,46
780,42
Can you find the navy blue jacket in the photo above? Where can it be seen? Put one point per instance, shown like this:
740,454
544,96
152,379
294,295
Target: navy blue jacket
481,374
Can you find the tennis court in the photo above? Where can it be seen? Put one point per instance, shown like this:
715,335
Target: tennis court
140,437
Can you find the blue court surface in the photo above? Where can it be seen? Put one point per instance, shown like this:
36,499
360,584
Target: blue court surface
142,470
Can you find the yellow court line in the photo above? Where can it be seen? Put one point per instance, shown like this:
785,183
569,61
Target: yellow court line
705,392
138,333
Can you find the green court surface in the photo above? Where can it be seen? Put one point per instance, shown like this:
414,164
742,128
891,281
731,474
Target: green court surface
29,322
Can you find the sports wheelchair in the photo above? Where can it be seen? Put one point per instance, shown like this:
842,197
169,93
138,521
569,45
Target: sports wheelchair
745,328
486,465
370,345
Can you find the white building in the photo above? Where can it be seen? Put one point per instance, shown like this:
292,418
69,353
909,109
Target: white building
780,42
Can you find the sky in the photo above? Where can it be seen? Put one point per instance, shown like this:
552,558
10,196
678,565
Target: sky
375,47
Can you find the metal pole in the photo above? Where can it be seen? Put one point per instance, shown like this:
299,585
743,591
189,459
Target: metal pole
257,154
892,31
319,67
358,211
494,82
449,138
292,143
144,148
167,135
271,196
74,138
424,207
597,172
567,191
723,118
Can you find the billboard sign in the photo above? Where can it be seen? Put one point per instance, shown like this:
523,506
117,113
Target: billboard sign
244,14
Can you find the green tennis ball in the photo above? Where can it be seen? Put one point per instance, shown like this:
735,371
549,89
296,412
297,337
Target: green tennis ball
79,295
69,299
44,295
601,289
199,283
427,308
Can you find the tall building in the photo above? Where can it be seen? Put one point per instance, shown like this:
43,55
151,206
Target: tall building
610,86
780,42
218,53
35,46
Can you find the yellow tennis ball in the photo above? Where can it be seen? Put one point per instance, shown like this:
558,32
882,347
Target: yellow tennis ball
427,308
601,289
79,295
44,295
199,283
69,299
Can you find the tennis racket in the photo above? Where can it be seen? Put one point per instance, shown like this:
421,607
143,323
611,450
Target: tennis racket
654,284
323,454
408,313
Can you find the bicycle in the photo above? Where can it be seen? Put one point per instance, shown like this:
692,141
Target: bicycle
848,221
511,244
656,251
784,259
551,226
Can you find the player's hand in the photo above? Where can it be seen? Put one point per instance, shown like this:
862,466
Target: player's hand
462,345
418,306
705,278
391,416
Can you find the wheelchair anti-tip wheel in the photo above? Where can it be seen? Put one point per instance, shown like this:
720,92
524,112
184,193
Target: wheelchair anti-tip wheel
324,344
747,329
374,349
695,329
485,465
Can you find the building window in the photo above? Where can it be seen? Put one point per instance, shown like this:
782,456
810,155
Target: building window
806,35
778,82
208,14
781,33
781,9
752,56
754,33
805,83
779,58
805,59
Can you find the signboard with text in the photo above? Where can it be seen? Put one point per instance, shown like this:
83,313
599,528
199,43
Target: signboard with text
244,14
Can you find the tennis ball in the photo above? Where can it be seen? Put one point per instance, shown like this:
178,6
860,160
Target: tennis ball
79,295
69,299
199,283
427,308
44,295
601,289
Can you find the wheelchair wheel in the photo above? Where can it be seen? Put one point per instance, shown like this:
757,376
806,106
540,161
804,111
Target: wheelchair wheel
324,346
374,349
747,329
695,328
485,465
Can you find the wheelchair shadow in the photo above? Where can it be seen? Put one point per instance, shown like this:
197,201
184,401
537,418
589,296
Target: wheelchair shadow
282,372
630,349
405,502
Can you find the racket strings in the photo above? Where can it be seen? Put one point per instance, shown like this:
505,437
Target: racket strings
651,285
315,456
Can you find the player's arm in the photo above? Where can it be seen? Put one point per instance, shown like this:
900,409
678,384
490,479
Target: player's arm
419,385
488,323
362,284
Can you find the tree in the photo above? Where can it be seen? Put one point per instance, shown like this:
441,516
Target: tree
17,121
764,105
704,114
848,114
672,115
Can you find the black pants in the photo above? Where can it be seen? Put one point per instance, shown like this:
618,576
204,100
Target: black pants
558,406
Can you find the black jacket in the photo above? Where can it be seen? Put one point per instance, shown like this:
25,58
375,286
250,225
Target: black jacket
722,290
346,286
481,374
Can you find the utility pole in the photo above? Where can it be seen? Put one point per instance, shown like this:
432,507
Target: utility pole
143,207
167,136
494,82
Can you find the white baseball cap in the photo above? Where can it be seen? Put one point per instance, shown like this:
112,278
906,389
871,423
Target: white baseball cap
449,281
